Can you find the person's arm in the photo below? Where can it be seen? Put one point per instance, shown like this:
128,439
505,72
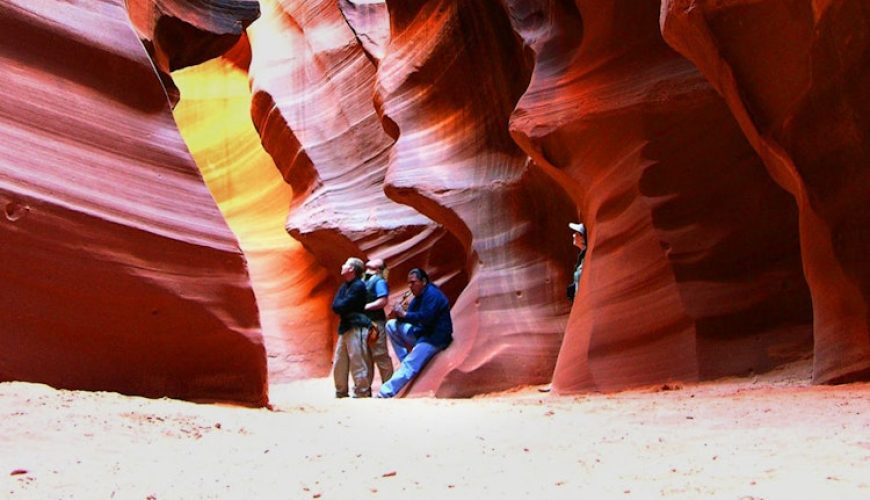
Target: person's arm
382,293
377,304
425,316
350,301
339,302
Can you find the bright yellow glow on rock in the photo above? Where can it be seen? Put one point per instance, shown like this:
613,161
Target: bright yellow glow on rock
215,120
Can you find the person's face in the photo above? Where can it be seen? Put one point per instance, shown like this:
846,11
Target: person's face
347,271
371,270
415,284
579,241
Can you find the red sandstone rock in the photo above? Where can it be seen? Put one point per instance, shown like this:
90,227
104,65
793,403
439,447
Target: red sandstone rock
693,270
795,76
118,271
447,84
313,86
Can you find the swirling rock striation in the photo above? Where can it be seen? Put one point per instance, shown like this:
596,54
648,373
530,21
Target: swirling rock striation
447,84
693,269
313,108
119,272
800,95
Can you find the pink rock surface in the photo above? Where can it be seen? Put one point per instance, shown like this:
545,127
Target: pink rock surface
118,271
370,22
448,82
693,270
800,95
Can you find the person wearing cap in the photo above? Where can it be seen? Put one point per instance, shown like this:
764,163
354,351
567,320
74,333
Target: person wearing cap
418,333
351,350
377,293
579,236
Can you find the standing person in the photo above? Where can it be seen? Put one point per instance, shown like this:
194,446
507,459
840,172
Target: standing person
579,237
377,294
351,350
418,333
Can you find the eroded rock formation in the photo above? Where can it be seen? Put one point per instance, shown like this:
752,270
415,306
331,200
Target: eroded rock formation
800,95
715,166
293,291
313,85
451,76
119,272
693,267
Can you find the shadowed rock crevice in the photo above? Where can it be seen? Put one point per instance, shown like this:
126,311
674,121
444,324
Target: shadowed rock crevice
678,206
794,94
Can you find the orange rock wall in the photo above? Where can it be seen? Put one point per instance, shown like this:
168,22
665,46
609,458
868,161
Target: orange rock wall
800,95
119,272
693,268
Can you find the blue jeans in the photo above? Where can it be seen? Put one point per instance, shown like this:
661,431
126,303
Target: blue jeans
413,356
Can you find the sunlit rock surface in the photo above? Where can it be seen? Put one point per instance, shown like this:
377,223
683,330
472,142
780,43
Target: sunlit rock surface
119,272
291,288
448,82
800,94
693,269
313,86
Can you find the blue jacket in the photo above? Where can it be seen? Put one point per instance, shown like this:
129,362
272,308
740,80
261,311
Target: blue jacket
429,313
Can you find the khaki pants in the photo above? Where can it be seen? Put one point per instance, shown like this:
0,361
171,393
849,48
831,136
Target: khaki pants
352,354
380,356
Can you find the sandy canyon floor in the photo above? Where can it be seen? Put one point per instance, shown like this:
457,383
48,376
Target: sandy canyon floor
770,436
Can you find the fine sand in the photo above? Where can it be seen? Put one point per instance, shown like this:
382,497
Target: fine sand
769,436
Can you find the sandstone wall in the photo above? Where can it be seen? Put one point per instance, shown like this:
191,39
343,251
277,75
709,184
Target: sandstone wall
119,272
720,166
799,93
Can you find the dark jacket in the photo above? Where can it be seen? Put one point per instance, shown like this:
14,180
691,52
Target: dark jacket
429,313
350,303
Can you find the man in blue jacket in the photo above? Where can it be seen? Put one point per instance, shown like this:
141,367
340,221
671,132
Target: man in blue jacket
418,333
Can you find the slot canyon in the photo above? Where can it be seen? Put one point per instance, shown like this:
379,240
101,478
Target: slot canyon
181,182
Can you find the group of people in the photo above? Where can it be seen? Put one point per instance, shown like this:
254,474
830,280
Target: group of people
417,331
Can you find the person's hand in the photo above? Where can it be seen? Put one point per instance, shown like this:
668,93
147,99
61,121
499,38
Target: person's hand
398,310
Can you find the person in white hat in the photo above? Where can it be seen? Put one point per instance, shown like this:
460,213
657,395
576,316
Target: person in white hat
579,235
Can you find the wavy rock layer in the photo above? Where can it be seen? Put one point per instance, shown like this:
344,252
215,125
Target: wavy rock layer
693,269
313,86
293,299
800,95
451,76
119,272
